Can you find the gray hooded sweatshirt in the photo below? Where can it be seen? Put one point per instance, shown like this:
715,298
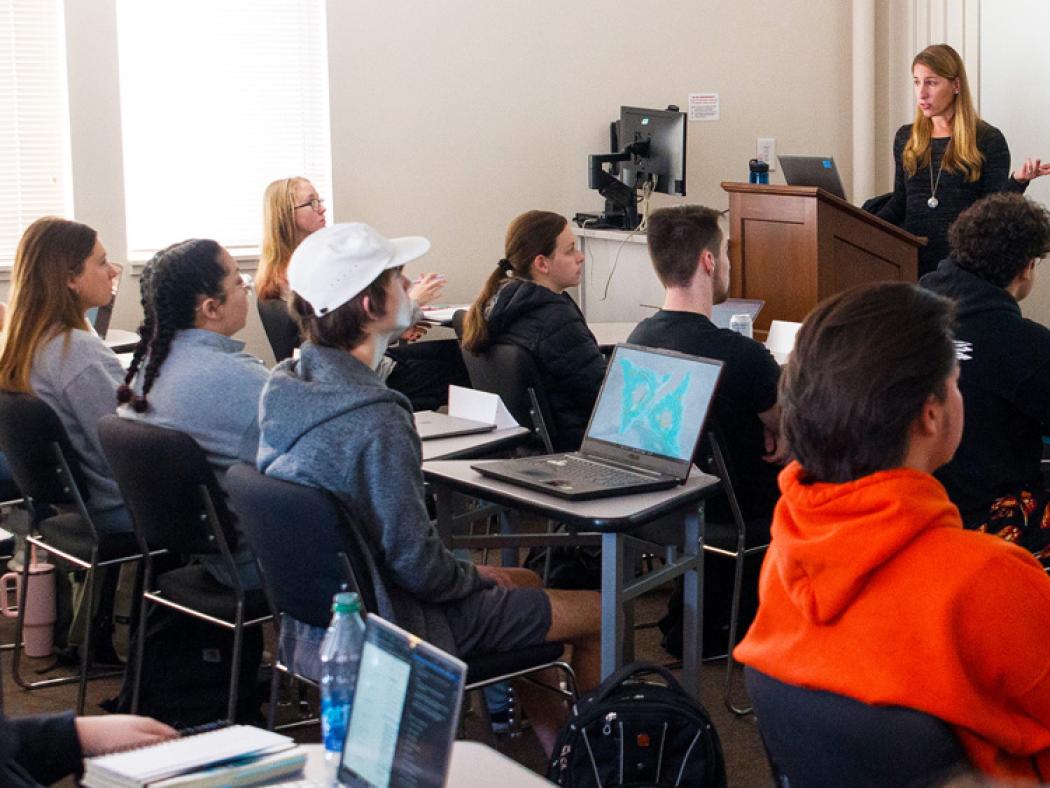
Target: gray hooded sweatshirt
326,420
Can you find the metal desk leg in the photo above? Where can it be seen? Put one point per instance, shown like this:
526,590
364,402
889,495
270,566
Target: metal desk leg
443,501
693,602
612,603
508,555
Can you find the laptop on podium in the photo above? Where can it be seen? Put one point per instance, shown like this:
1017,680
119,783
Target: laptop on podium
642,434
819,171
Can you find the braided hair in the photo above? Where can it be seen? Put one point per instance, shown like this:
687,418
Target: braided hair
172,282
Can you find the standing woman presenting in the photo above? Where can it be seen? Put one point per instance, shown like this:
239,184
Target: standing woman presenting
948,158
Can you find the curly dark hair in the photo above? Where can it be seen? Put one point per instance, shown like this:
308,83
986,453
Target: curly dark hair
997,236
171,283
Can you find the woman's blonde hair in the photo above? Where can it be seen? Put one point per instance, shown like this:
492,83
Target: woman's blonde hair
50,252
531,235
962,154
279,237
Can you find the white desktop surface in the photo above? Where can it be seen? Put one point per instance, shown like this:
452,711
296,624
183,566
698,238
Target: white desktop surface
471,445
474,765
609,334
118,337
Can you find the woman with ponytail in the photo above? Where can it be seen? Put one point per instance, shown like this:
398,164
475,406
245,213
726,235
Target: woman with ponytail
524,303
187,372
50,351
947,158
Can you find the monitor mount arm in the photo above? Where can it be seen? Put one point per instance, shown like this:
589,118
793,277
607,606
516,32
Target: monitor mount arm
621,207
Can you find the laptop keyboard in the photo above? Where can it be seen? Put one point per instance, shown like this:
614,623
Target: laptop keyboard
578,469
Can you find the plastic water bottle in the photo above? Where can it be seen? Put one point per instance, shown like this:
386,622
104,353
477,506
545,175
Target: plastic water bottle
340,656
742,325
758,171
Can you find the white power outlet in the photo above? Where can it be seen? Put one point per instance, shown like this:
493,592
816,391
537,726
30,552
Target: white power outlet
766,151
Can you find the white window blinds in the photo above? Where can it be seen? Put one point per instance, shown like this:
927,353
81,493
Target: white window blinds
217,100
34,118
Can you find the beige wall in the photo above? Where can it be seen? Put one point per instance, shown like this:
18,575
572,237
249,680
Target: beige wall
450,118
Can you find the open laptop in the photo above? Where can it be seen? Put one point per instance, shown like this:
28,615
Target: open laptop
404,713
819,171
722,313
430,425
642,433
99,316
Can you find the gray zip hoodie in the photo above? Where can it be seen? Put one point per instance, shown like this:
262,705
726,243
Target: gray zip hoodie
326,420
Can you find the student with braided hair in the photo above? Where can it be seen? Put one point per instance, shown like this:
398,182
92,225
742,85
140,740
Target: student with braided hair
187,372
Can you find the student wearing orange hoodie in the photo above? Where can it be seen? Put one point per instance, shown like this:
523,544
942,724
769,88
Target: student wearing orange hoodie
871,588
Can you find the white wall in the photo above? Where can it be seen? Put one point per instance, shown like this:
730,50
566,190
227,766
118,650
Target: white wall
1016,97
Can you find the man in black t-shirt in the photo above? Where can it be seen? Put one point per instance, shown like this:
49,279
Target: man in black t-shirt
688,250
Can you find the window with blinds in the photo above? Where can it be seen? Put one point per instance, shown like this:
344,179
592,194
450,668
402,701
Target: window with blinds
35,176
217,100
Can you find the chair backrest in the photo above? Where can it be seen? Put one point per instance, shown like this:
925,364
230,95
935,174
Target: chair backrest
280,327
167,485
509,370
817,738
299,535
35,443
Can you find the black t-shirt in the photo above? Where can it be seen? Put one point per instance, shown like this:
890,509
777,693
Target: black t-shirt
748,386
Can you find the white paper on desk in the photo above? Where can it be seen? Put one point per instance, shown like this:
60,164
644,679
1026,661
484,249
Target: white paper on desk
479,406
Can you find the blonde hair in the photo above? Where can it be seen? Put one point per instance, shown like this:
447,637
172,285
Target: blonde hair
50,252
280,237
533,234
962,154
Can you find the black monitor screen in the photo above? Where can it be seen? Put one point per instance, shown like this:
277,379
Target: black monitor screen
664,130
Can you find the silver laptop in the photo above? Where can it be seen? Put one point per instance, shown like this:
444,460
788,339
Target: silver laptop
722,313
819,171
642,434
405,711
430,425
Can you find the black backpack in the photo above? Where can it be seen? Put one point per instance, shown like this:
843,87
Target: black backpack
634,732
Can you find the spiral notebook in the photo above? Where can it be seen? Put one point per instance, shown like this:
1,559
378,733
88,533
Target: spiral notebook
148,765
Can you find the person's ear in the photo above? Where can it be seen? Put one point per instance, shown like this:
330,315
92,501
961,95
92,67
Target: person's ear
541,265
209,308
928,422
956,86
708,262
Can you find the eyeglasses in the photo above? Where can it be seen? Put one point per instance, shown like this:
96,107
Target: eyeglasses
315,203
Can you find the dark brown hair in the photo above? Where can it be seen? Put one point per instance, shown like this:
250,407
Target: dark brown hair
531,235
865,361
344,326
997,236
677,237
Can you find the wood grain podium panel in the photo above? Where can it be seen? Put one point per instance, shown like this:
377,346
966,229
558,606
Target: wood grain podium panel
793,246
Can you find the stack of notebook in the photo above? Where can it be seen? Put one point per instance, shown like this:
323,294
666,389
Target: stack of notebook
237,755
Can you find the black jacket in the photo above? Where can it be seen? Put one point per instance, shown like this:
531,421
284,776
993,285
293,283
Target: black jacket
1005,382
552,329
35,750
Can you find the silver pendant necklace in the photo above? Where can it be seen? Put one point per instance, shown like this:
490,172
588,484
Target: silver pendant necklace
933,202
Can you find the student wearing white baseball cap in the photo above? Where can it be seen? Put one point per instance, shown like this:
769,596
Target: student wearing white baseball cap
328,420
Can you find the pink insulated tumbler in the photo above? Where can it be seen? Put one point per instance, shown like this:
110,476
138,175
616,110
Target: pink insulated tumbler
39,630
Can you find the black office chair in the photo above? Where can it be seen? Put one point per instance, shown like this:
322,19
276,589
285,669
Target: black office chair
176,505
330,552
815,738
46,470
510,372
737,540
280,327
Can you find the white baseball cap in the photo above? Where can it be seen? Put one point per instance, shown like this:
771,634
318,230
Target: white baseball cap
334,264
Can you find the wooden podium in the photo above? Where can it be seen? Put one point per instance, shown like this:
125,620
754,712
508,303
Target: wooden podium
792,246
